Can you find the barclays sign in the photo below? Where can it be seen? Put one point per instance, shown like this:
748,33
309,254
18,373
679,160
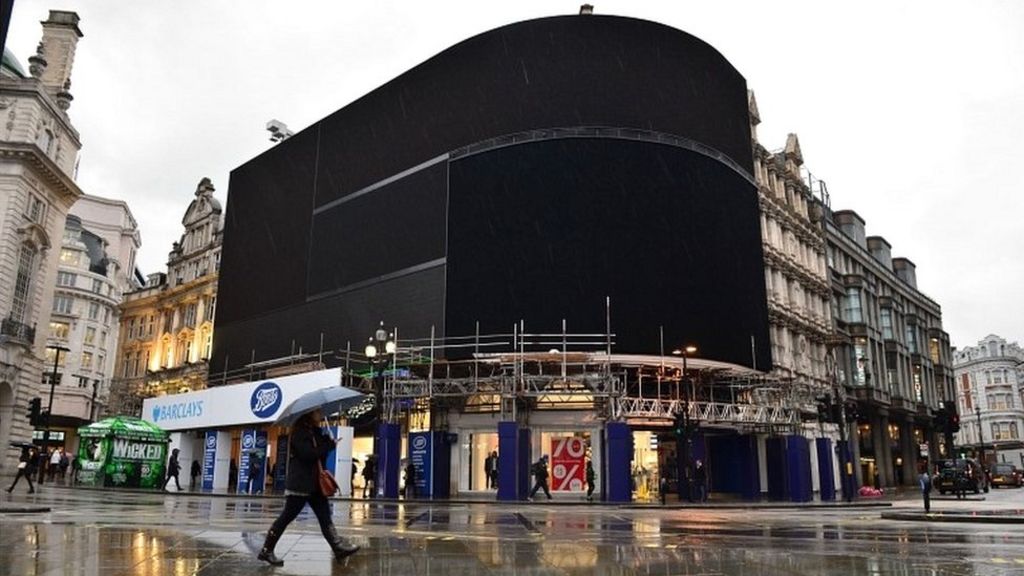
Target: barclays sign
266,399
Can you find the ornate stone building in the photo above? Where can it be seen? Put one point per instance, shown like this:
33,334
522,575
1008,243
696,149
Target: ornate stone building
166,327
990,398
891,353
39,149
96,266
796,276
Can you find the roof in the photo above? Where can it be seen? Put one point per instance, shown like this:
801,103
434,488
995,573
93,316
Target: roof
11,66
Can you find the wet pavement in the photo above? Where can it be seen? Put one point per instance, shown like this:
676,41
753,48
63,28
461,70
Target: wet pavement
111,533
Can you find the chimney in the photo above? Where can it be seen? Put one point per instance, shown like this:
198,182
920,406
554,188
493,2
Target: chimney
852,226
60,38
880,250
905,270
586,9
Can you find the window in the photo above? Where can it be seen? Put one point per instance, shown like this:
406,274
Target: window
918,390
101,362
97,286
149,325
90,335
36,210
887,324
94,311
103,339
190,314
65,279
860,369
106,316
60,330
49,377
207,344
86,360
125,364
169,321
933,350
69,257
965,385
83,382
912,338
45,141
168,354
1004,431
23,283
63,304
853,306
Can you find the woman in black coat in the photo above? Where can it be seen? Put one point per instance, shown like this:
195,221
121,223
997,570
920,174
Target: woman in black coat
26,468
308,445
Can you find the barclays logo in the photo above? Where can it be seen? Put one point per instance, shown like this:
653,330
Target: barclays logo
266,399
211,441
178,410
419,442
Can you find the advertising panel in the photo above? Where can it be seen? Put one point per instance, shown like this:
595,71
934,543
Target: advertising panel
421,448
224,406
252,469
567,464
209,459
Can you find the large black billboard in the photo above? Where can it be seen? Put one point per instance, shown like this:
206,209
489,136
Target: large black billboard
390,207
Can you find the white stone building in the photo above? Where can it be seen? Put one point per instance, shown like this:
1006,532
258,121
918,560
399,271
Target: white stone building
990,399
96,266
39,149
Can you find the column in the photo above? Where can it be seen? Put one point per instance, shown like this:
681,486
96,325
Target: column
619,458
387,447
910,452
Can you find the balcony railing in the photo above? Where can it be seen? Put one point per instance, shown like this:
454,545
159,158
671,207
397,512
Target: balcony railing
18,330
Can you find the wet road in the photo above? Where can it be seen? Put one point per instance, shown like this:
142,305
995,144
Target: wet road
108,534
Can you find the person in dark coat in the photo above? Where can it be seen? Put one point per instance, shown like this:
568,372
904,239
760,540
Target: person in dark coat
700,481
309,446
370,475
591,477
490,466
540,474
26,468
173,469
194,473
925,482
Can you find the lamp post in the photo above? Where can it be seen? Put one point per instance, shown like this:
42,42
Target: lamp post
685,450
57,348
981,439
380,341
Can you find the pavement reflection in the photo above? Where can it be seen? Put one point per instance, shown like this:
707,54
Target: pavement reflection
107,534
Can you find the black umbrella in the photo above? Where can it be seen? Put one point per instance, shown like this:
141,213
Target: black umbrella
21,445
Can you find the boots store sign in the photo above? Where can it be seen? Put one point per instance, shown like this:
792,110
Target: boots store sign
249,403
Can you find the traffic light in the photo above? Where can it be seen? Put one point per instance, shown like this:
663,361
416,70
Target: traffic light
851,412
952,416
35,407
679,425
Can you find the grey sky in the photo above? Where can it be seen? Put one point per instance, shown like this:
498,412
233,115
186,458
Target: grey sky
910,111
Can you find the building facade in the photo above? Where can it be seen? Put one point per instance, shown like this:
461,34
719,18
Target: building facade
891,353
39,149
166,326
96,266
990,399
796,273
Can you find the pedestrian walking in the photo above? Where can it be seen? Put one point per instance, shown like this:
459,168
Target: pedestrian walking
54,464
540,475
925,481
410,480
591,475
254,472
65,461
700,481
370,475
26,468
352,482
173,468
309,447
194,474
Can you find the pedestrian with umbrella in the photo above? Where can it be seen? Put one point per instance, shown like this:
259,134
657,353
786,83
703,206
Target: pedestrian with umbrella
308,449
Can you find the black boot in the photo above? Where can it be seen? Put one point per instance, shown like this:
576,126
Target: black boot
267,552
342,548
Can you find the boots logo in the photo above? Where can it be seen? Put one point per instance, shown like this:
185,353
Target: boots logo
266,399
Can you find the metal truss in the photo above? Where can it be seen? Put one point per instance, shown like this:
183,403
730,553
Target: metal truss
706,412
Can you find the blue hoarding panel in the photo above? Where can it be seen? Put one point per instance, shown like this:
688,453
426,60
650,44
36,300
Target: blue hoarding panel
826,473
421,452
508,448
209,458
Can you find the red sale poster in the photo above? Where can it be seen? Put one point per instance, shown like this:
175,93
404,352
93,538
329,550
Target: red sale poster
567,464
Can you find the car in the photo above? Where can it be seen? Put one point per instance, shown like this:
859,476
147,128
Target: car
1004,474
966,470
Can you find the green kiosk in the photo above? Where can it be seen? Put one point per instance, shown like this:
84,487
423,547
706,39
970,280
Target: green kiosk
123,452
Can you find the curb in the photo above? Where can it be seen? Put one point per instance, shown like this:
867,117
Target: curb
24,509
966,518
464,501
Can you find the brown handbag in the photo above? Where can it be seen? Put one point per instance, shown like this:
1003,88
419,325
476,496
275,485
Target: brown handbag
328,485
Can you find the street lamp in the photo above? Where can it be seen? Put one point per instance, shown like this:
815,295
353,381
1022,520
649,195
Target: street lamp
981,440
381,340
685,451
57,348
